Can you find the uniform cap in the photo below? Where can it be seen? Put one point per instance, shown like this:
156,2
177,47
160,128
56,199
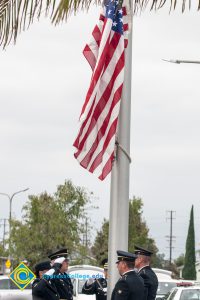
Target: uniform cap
142,251
59,253
125,256
44,265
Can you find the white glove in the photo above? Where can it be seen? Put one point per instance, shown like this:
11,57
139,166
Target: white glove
59,260
50,272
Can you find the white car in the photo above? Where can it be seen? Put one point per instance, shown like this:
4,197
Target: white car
79,274
164,287
9,291
165,283
185,293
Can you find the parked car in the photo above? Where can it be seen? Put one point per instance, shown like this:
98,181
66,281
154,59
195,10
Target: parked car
79,274
165,287
185,293
165,283
9,291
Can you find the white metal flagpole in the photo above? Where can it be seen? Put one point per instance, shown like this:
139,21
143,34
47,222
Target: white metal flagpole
119,195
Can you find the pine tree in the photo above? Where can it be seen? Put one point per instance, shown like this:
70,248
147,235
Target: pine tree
189,271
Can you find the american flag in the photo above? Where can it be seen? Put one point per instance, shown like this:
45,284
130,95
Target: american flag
95,142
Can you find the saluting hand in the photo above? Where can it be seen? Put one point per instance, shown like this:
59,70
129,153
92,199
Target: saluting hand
59,260
57,263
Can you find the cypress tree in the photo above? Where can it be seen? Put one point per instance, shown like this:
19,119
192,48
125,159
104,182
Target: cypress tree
189,270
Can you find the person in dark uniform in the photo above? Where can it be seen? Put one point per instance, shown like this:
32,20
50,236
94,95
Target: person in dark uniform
130,286
97,286
142,263
43,289
61,279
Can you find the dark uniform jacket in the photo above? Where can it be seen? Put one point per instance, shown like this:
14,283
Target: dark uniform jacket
64,286
150,283
129,287
98,287
44,290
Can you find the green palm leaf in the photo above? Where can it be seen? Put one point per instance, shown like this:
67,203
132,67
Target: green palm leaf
17,15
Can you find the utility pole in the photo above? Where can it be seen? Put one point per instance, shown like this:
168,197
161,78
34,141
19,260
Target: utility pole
86,233
182,61
4,232
10,197
170,236
3,223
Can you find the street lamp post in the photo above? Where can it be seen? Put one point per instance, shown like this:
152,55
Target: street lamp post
10,211
179,61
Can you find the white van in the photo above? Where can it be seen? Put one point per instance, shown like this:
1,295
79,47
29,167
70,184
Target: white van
79,274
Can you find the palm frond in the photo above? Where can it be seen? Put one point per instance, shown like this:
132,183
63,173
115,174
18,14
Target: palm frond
17,15
141,5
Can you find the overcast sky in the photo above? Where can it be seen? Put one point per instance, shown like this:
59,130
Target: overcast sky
43,82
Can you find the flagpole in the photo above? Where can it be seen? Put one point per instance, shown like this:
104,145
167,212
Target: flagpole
119,191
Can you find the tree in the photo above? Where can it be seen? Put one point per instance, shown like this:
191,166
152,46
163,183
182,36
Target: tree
138,232
100,247
159,261
17,15
189,270
49,223
3,251
179,261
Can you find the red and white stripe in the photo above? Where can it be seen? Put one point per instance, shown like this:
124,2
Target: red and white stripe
95,142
